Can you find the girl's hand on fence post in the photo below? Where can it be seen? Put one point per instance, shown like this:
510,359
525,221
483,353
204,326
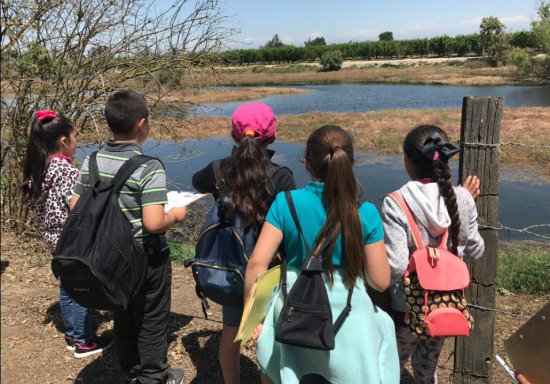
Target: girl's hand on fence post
472,185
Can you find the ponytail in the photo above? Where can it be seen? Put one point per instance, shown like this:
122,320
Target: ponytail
329,156
250,190
42,142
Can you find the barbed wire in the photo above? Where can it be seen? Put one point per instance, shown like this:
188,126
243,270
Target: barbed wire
503,144
501,311
516,144
526,230
479,145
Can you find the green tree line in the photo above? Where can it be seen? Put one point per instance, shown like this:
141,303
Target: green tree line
438,46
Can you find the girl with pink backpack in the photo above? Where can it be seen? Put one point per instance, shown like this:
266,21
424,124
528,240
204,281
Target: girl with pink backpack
427,209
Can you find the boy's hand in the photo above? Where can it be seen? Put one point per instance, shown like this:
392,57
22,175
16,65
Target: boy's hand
472,185
156,221
178,213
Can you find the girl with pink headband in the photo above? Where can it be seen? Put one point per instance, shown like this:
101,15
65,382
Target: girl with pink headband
49,178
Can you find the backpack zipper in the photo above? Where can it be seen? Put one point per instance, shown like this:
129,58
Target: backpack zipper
219,267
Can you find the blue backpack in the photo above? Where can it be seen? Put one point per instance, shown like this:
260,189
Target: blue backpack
222,251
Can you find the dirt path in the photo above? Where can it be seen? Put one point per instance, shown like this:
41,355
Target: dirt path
33,350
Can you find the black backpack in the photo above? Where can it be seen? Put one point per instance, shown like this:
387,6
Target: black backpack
97,259
306,318
222,251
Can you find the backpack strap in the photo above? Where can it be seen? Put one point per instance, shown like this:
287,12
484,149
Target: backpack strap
92,167
128,168
412,223
218,175
410,218
344,314
292,208
347,309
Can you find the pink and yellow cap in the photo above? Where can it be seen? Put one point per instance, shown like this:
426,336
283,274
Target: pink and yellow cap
254,119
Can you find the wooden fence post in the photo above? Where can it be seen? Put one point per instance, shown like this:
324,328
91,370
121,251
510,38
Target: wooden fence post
479,139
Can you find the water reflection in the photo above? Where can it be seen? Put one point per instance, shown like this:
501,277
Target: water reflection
521,203
369,97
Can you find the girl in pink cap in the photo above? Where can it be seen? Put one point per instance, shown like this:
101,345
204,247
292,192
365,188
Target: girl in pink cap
251,189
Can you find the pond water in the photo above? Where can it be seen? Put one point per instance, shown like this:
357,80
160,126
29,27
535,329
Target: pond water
369,97
521,203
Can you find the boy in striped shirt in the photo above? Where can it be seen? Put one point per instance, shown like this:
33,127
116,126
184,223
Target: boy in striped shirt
140,330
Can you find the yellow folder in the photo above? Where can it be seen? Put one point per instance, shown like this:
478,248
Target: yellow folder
257,302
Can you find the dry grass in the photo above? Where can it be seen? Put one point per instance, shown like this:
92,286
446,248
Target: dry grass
222,95
408,74
383,131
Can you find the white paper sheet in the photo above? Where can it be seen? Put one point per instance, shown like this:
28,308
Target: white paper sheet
181,199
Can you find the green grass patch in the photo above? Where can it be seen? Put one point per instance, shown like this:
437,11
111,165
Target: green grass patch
181,251
389,143
524,268
293,68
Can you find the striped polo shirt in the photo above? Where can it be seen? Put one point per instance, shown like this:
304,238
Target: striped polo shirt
146,186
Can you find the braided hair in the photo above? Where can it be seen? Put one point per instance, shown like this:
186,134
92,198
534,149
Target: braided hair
429,150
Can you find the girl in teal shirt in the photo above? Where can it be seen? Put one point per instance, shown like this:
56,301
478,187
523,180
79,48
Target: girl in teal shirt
365,349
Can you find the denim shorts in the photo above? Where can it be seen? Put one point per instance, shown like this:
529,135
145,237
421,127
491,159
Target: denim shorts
232,316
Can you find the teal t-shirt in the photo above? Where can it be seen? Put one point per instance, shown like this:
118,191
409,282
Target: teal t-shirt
312,215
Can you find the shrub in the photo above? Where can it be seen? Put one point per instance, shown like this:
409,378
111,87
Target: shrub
170,77
520,58
524,268
331,60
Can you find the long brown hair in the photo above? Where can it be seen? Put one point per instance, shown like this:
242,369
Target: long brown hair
435,169
42,142
329,158
250,190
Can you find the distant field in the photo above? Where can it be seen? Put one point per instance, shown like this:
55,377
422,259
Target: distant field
452,71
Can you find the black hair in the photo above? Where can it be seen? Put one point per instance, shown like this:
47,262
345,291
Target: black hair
250,189
123,110
42,143
436,170
329,158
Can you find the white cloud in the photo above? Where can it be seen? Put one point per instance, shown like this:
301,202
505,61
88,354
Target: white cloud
422,28
475,21
366,33
512,20
508,21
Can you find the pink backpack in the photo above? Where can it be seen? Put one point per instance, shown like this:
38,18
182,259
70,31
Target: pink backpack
434,285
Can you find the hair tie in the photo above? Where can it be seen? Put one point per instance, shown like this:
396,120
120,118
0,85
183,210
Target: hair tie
249,132
434,149
45,114
333,149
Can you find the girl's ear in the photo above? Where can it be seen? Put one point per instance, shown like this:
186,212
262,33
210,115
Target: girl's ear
62,142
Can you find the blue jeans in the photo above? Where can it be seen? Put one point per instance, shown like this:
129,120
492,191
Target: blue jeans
77,319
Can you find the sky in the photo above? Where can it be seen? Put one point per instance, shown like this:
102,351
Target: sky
359,20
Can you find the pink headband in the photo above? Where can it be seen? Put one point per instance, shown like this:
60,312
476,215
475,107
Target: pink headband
45,114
